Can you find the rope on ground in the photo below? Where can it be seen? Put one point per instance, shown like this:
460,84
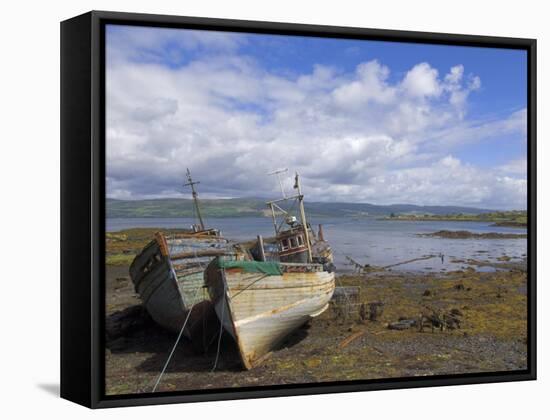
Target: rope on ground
221,328
175,345
425,257
360,267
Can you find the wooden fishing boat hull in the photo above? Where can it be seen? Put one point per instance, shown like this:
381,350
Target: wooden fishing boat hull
156,283
169,287
259,310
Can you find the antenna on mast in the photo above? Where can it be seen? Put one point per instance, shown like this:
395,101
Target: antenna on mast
278,173
299,197
195,197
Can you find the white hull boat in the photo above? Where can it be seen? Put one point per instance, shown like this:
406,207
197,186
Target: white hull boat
261,303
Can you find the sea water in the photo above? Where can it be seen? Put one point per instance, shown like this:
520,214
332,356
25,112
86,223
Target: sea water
371,241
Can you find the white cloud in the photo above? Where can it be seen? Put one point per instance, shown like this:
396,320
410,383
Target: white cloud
458,94
514,167
447,181
455,75
161,45
475,131
369,86
353,137
422,81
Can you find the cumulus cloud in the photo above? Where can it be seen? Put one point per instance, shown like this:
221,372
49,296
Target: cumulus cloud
451,181
422,81
164,45
458,94
514,167
358,136
369,86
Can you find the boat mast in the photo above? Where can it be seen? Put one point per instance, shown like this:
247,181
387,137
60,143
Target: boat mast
273,217
278,173
303,215
271,203
195,197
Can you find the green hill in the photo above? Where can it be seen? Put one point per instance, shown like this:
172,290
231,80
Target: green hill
246,207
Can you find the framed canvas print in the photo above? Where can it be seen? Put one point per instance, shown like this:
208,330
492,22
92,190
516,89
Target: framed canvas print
255,209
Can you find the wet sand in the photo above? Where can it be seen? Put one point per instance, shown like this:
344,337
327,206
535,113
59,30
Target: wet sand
338,345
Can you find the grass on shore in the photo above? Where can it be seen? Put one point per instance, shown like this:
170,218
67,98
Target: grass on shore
122,247
499,218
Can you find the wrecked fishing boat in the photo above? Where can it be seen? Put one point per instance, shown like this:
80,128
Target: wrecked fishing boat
261,296
168,275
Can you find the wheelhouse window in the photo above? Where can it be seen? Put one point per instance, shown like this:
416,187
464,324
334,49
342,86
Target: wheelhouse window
284,245
300,240
293,243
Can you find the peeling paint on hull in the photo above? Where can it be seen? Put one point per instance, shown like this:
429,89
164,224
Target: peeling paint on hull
169,288
260,310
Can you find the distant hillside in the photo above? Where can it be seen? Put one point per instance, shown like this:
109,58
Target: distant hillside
512,218
243,207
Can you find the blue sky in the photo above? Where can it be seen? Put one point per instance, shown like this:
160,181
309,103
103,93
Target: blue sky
362,121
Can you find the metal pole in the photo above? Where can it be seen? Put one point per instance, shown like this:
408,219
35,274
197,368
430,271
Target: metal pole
261,246
278,173
303,217
195,198
274,218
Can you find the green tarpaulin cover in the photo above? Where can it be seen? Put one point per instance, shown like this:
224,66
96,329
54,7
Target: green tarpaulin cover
270,268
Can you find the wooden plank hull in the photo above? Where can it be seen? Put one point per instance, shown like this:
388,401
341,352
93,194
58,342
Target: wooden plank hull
169,288
260,310
155,281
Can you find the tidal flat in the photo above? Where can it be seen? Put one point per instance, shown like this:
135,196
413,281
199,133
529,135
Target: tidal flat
342,343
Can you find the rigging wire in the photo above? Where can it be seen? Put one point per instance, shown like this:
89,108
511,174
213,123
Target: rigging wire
224,297
182,328
175,345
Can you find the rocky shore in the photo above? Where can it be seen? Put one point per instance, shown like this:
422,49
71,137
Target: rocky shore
347,342
464,234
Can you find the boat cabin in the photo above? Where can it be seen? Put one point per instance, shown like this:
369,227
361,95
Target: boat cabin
292,245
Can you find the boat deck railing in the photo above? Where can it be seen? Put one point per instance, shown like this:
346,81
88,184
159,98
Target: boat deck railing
301,267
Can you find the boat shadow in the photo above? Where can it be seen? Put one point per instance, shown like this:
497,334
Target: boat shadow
187,358
295,338
132,331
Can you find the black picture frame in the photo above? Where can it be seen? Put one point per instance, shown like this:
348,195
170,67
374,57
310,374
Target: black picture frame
83,206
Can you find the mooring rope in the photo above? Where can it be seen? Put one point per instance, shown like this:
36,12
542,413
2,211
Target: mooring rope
221,328
203,268
249,285
175,344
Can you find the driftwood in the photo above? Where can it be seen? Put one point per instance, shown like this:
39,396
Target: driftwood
425,257
362,268
359,268
344,343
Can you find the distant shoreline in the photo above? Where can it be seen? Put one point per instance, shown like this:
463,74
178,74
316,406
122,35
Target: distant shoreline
464,234
418,219
255,207
517,219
